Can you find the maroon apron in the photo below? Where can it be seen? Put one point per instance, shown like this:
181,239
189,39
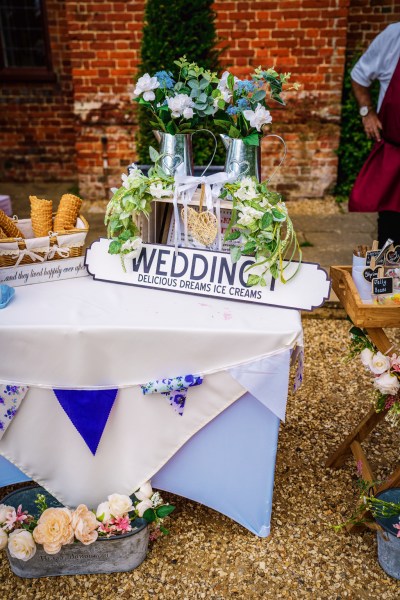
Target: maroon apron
377,187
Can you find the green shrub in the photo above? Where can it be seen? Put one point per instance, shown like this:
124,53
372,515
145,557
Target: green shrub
354,145
171,30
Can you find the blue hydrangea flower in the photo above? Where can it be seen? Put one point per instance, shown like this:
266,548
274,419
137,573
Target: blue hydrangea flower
245,86
243,104
232,110
165,79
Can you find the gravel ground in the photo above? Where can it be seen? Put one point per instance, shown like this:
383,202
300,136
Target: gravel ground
208,556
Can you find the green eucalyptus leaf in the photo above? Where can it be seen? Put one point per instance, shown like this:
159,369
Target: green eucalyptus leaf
203,84
193,83
258,96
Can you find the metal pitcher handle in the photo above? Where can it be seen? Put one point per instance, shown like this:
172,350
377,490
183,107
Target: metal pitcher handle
284,152
215,147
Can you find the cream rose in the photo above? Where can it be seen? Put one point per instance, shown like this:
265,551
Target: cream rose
54,529
145,491
21,544
103,509
84,524
379,363
3,539
119,504
143,506
387,384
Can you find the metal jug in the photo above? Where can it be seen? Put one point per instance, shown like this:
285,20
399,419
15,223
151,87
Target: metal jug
175,150
244,160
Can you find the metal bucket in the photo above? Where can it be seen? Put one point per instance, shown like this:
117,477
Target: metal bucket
388,542
106,555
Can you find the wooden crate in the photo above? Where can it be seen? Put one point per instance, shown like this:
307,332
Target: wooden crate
362,315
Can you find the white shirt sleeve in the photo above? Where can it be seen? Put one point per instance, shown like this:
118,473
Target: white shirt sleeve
370,65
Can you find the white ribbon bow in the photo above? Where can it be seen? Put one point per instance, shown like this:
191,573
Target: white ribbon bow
186,185
64,252
32,255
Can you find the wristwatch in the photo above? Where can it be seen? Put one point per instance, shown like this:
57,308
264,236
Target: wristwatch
364,110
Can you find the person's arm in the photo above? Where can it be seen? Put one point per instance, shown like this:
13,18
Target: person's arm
371,122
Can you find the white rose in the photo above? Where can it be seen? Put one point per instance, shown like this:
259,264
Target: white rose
366,357
21,544
143,506
145,491
3,539
5,512
133,248
178,104
188,113
259,117
145,85
104,509
379,363
119,504
387,384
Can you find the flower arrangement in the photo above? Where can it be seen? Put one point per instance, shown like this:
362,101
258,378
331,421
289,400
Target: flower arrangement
237,107
178,106
378,508
56,527
261,223
243,110
386,372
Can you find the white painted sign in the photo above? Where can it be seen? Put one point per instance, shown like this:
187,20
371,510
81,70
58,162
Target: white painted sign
207,273
43,272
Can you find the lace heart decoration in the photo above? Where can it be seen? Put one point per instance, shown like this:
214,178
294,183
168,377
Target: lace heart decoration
203,225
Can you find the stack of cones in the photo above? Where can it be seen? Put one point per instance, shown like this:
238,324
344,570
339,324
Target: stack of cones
67,212
41,216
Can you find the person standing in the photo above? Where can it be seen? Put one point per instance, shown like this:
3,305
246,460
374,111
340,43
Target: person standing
377,187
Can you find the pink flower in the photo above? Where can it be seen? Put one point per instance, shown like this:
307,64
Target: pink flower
390,400
395,362
122,524
398,528
21,515
10,520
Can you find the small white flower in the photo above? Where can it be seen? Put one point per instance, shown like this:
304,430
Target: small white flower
387,384
366,357
248,215
143,506
145,85
120,504
130,249
179,104
247,190
21,544
259,117
188,113
157,190
156,499
379,363
145,492
3,539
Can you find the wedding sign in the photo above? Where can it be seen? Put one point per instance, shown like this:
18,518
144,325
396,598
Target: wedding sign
43,272
208,273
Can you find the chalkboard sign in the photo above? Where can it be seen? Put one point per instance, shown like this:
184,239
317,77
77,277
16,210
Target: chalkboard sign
382,285
373,254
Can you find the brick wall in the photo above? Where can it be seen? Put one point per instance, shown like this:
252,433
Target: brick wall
37,136
95,49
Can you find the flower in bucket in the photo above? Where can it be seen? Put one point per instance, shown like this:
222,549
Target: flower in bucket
85,525
385,370
243,111
54,529
181,102
21,544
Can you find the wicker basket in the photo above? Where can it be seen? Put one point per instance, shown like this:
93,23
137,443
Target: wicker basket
12,248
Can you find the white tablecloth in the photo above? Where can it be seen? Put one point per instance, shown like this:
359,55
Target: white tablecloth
87,334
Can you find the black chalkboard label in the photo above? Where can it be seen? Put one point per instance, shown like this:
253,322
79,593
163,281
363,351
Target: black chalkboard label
382,285
374,253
